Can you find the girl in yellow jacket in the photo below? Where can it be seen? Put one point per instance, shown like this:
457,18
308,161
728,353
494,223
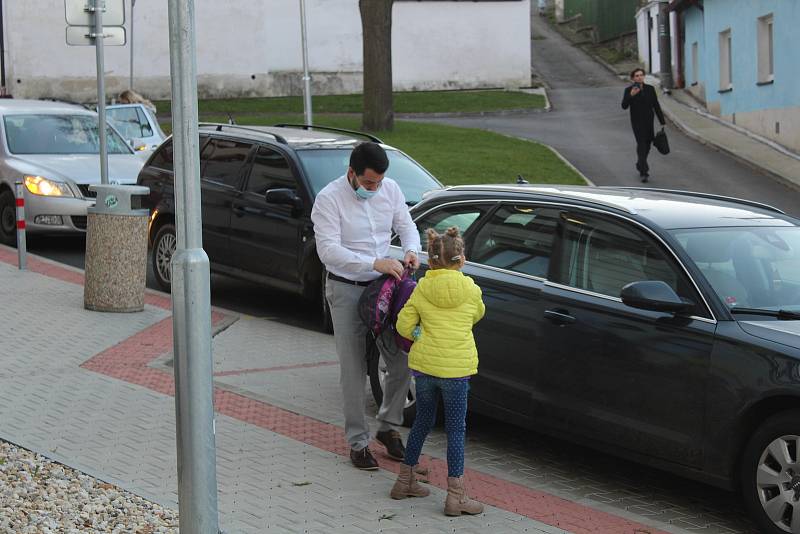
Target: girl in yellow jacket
439,316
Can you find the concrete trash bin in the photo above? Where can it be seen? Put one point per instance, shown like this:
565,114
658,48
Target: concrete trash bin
116,250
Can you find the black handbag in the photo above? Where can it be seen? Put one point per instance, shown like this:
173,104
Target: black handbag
661,142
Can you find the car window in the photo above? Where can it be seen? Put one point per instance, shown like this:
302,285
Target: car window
603,256
130,122
224,159
59,134
463,216
162,158
748,267
322,166
518,238
270,170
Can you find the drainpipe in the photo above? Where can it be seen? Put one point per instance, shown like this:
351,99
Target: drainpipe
2,54
664,47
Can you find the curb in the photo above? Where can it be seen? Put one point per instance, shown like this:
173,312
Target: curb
756,166
558,155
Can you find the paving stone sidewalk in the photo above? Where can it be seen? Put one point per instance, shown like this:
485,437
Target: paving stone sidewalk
123,433
94,391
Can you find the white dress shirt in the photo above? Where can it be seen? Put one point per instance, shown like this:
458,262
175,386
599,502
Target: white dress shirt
352,233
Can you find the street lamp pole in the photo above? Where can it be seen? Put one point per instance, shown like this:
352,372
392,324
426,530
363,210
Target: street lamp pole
191,293
130,84
99,6
306,76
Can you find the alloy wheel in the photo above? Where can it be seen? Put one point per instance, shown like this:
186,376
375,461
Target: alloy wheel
778,482
164,251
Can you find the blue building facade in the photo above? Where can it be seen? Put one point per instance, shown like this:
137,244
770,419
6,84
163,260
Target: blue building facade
739,57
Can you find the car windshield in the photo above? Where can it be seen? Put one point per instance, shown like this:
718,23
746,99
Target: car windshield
59,134
325,165
748,267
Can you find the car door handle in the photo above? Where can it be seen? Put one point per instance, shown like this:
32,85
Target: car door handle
559,317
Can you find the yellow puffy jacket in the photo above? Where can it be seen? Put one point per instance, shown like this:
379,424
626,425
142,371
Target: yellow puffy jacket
445,304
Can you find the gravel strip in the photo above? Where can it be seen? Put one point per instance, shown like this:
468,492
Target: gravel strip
39,496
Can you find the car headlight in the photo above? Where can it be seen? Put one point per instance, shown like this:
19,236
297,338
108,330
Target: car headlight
39,185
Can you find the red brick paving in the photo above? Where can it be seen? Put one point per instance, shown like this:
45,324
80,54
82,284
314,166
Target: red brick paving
128,361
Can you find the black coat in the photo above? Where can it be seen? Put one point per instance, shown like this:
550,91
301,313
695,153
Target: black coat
643,107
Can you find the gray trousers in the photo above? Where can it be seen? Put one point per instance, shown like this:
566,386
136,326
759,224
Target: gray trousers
350,335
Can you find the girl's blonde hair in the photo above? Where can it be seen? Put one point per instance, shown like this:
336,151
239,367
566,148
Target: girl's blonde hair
444,250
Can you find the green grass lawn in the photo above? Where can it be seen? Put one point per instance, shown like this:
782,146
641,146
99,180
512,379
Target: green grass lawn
454,155
404,102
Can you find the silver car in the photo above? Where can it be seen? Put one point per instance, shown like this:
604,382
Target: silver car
138,125
52,148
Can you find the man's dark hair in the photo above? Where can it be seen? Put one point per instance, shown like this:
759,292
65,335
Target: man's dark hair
368,155
634,71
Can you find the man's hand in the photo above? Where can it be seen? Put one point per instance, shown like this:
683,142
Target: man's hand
389,266
411,260
635,90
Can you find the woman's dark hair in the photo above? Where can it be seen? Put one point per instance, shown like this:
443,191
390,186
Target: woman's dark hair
444,250
634,71
369,155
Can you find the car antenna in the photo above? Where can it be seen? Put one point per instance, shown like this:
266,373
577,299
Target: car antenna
521,179
230,118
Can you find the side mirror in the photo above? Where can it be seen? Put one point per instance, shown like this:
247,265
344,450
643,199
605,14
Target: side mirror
137,144
654,295
284,196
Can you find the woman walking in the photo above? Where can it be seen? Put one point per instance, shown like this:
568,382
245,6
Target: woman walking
642,100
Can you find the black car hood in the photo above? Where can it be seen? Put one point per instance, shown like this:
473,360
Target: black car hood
783,332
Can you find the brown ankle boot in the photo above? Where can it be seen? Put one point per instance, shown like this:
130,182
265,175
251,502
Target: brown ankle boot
457,501
407,485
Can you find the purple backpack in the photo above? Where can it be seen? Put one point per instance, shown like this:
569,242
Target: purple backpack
381,302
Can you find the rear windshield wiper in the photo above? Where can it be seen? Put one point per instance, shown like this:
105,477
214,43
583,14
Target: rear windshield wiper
784,315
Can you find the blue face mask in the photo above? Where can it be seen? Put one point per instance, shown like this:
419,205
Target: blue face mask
365,194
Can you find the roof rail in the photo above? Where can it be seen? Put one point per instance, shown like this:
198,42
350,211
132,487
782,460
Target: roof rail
532,189
220,126
329,129
746,202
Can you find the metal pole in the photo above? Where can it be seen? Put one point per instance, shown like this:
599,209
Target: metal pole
306,76
664,47
21,246
191,293
99,7
130,84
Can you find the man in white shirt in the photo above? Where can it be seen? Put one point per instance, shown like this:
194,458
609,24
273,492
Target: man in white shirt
353,220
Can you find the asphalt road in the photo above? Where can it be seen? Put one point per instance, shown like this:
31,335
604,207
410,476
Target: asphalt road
588,126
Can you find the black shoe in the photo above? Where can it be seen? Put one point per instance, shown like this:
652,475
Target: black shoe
644,176
394,445
363,459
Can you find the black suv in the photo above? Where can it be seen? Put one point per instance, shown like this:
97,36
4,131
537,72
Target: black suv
258,185
660,326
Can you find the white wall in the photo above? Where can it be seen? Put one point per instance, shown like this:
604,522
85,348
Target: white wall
247,48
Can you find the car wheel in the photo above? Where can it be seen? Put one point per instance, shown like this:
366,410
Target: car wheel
327,322
770,474
8,218
164,246
376,368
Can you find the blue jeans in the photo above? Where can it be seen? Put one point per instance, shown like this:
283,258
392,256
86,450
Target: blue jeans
454,394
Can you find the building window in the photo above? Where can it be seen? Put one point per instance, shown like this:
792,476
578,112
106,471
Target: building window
725,61
766,72
695,66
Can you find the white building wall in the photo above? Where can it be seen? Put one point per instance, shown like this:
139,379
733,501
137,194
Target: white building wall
247,48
